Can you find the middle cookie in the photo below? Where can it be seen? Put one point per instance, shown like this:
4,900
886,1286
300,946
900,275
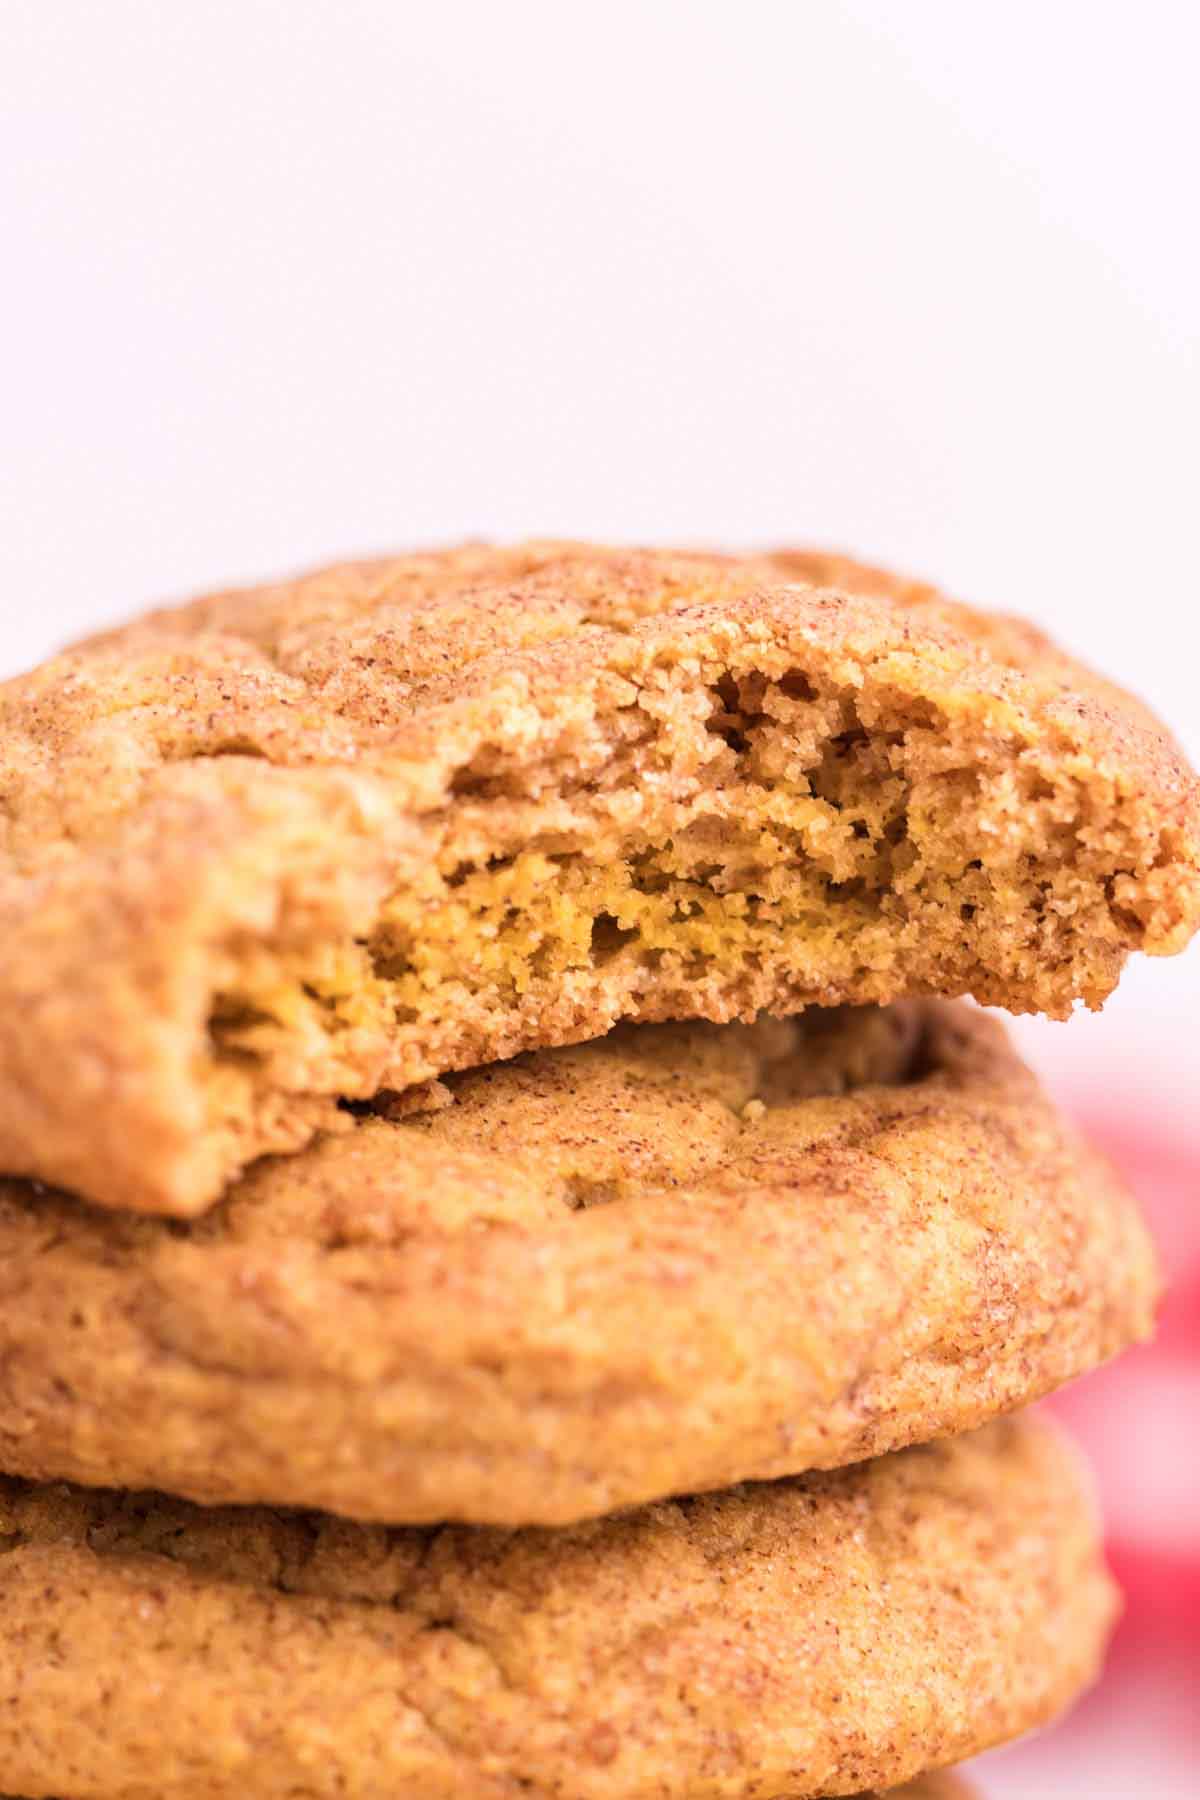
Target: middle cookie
671,1260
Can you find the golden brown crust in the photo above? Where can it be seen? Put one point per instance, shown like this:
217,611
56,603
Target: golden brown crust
350,832
676,1258
814,1637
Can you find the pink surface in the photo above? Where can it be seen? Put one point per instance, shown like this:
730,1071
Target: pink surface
1138,1733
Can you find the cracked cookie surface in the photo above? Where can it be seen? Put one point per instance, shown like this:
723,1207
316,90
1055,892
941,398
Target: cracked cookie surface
347,833
675,1258
819,1636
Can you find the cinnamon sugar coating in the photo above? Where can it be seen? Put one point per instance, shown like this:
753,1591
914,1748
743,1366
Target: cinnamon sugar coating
815,1637
676,1258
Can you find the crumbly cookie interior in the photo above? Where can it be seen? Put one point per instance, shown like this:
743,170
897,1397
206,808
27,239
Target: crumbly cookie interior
705,850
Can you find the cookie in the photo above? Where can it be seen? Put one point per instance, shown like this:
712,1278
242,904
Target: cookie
927,1787
821,1636
675,1258
343,835
931,1787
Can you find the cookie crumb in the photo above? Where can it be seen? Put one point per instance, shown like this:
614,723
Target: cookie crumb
423,1097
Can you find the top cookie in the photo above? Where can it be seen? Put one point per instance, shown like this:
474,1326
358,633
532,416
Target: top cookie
347,833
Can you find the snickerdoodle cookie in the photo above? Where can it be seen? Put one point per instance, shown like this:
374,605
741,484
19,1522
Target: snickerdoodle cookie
940,1786
347,833
817,1636
675,1258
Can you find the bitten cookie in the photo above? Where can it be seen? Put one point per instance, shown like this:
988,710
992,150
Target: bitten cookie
348,833
676,1258
813,1637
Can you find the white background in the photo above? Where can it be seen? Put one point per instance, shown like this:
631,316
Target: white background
286,281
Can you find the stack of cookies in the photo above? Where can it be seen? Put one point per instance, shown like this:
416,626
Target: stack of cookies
519,1264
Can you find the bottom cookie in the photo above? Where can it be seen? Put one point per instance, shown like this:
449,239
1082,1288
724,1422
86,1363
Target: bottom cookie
821,1636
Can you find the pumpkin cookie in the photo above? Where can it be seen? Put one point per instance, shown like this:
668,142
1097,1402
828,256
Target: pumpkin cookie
820,1636
927,1787
931,1787
342,835
675,1258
